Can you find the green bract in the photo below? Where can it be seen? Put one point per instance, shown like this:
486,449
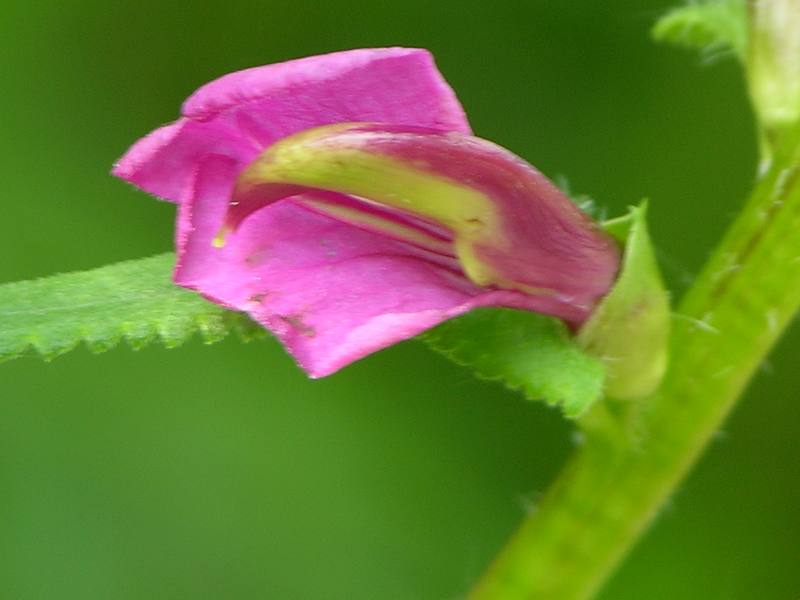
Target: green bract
630,328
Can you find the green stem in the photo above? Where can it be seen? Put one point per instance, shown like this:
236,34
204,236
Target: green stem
616,482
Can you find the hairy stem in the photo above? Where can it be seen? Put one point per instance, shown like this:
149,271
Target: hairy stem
617,481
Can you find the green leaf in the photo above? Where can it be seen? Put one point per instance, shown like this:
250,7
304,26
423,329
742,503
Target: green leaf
134,301
711,26
526,351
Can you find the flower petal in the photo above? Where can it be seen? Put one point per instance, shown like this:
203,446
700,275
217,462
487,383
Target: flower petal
164,162
239,114
391,85
332,293
333,287
512,228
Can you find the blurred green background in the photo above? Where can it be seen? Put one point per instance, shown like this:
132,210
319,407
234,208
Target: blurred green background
221,471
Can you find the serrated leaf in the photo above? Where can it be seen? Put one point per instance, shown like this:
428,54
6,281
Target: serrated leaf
136,302
526,351
710,26
133,301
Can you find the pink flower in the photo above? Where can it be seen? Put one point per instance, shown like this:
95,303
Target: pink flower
344,240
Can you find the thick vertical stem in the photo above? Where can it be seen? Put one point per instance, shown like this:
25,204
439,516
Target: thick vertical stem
615,484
